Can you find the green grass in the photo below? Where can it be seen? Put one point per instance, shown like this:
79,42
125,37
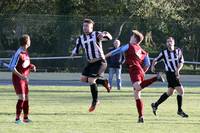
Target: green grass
64,110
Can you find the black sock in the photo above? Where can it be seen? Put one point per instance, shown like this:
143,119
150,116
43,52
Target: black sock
162,98
100,81
94,92
179,102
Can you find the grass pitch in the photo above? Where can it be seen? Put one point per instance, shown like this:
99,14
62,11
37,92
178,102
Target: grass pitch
65,110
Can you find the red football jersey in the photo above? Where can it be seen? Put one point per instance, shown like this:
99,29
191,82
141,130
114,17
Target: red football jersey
21,61
135,56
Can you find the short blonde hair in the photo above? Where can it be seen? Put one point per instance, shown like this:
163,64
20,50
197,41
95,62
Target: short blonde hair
24,39
139,35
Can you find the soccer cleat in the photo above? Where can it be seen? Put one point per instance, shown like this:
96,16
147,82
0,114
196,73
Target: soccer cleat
140,120
160,77
107,85
27,120
93,106
183,114
18,122
154,108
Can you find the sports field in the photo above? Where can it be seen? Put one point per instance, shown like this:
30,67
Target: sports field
58,109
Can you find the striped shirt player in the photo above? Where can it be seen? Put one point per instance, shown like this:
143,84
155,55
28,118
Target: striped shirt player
173,60
20,66
91,42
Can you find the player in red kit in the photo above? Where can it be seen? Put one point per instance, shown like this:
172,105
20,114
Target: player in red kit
138,63
20,66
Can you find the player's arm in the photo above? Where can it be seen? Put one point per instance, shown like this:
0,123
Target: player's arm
13,64
19,74
104,36
75,51
32,67
180,63
156,60
119,50
146,63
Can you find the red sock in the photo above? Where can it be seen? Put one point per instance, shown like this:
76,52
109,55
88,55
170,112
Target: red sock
26,109
148,82
19,109
140,107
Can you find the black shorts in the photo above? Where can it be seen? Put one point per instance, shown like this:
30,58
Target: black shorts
172,80
95,69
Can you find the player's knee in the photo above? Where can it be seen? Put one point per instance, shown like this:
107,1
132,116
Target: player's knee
170,93
136,94
137,87
91,80
181,93
83,79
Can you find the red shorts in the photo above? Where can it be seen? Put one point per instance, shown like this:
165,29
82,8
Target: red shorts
21,87
135,75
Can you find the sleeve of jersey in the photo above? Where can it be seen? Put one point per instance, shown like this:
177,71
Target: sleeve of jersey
121,49
14,60
75,51
146,62
160,57
181,58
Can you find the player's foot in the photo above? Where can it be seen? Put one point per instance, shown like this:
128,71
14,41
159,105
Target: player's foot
154,108
27,120
93,106
18,122
140,120
182,114
160,77
107,85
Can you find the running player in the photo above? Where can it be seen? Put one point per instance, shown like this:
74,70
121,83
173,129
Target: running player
173,60
20,66
138,63
91,42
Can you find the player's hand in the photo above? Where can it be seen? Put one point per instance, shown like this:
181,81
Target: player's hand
34,68
24,78
100,36
177,74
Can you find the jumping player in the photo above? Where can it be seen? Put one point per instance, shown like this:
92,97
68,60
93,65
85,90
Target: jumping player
138,63
20,66
173,60
91,42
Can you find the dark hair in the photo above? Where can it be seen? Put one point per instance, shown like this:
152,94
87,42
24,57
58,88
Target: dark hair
90,21
23,40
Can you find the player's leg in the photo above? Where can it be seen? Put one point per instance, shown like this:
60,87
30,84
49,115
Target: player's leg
150,81
139,102
111,73
84,78
118,78
162,98
26,104
19,107
94,92
180,91
100,69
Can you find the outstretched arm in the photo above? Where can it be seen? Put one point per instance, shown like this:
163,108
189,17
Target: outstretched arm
121,49
155,61
75,51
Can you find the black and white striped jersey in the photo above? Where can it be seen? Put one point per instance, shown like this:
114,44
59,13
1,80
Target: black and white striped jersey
171,59
91,44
